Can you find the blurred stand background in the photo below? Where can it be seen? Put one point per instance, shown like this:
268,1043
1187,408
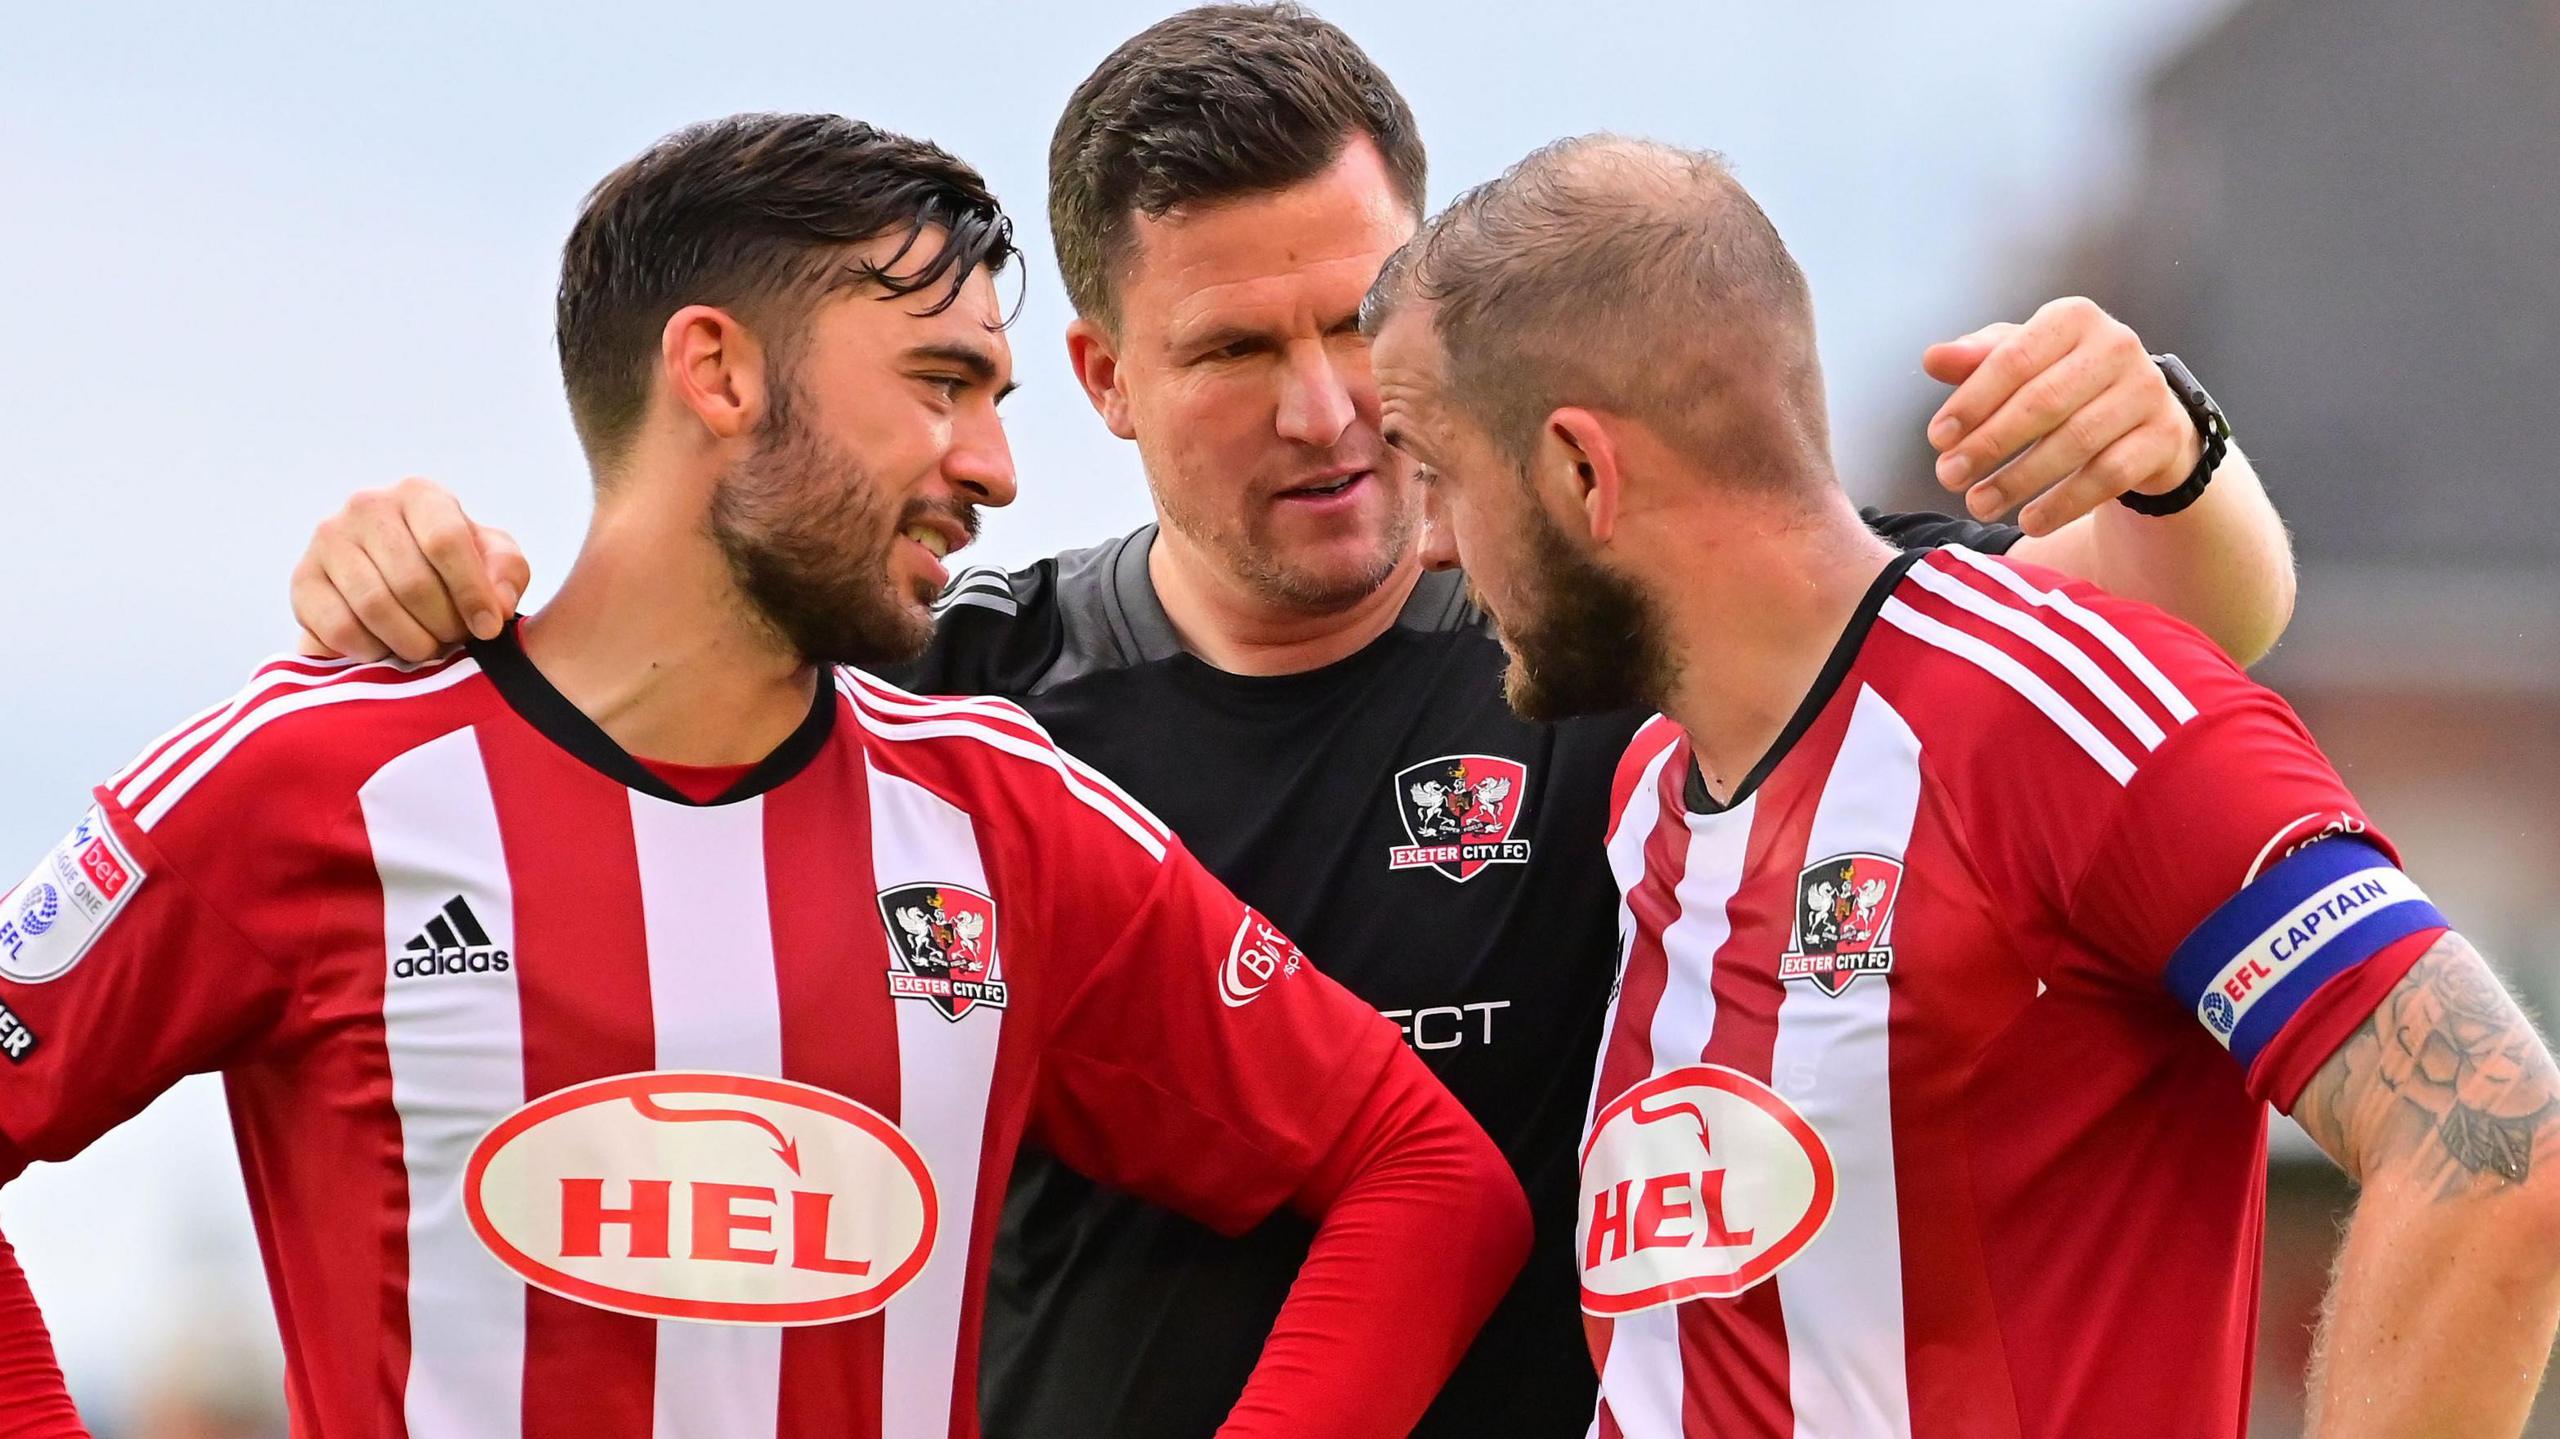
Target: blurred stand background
273,259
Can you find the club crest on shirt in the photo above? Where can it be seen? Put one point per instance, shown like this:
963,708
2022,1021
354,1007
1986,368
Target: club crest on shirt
942,947
1844,917
1459,811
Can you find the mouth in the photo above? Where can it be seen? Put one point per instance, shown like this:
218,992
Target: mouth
936,542
1327,487
938,538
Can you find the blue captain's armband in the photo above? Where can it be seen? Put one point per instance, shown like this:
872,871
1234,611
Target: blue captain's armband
2253,963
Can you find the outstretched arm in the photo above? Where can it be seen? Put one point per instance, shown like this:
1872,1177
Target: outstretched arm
2444,1106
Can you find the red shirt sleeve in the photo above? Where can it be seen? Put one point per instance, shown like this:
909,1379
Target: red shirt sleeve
1203,1063
32,1393
1424,1229
117,978
2226,866
2243,877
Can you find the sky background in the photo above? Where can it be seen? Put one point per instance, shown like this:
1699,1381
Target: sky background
264,255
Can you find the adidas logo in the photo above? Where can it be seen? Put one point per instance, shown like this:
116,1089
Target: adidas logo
452,943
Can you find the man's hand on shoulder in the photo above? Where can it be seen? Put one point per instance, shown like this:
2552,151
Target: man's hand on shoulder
2061,414
403,571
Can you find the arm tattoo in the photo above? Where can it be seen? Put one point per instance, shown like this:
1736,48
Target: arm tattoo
2446,1075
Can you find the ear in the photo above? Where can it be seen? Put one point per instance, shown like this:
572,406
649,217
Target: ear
1578,450
714,369
1096,358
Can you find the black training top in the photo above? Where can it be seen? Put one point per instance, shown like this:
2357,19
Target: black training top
1433,852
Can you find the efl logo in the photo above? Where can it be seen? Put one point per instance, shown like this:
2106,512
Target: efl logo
1459,811
49,921
1259,955
1699,1183
720,1198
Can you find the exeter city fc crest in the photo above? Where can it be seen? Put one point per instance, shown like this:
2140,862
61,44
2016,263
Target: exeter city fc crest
1459,811
942,947
1844,918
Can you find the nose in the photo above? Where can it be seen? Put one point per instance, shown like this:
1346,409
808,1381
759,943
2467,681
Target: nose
980,463
1439,545
1315,403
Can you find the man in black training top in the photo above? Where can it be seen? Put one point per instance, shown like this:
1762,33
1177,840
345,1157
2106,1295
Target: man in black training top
1283,669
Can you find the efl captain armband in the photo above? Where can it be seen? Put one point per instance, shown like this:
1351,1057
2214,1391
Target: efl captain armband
2330,906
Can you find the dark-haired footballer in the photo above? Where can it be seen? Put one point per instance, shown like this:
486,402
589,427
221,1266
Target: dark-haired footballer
630,1021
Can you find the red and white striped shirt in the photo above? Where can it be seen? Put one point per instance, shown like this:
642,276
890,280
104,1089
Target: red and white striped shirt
1918,1113
571,1107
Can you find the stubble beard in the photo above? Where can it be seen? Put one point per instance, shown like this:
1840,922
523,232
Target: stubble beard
1247,553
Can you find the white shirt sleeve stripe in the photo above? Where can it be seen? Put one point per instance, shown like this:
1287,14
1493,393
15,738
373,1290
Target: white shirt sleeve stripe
2039,633
136,782
256,719
2169,695
956,728
898,703
2017,677
157,747
977,600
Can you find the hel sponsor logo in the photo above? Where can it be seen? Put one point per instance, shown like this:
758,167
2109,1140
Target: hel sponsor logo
52,917
2302,833
942,947
1844,916
2287,944
1459,811
1698,1183
16,1040
1259,955
452,943
718,1198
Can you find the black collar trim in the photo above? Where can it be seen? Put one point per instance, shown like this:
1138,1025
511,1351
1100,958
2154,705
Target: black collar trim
532,697
1844,653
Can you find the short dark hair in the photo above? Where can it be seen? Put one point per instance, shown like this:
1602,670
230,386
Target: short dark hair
1625,275
1215,103
752,214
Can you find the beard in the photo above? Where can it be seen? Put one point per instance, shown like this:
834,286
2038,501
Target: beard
1584,642
808,541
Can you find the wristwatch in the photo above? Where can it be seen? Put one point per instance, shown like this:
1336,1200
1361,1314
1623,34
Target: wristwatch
2210,423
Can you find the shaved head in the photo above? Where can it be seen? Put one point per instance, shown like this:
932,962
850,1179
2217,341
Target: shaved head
1628,277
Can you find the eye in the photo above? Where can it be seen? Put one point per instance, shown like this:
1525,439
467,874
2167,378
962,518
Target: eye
950,387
